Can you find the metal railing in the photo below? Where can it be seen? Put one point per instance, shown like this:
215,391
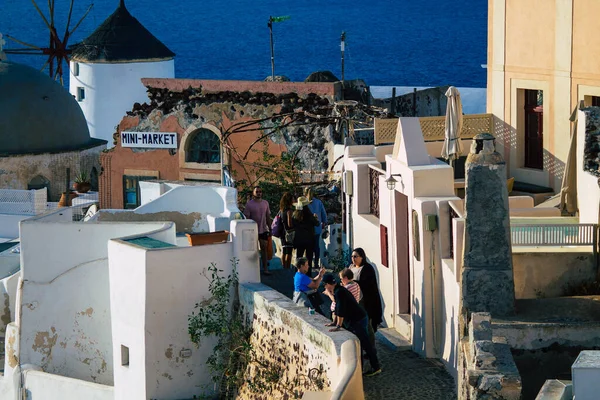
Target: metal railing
374,173
554,235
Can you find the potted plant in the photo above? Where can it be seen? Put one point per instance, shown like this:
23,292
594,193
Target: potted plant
201,238
82,183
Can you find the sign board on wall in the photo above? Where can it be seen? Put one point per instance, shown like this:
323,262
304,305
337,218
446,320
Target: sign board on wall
149,140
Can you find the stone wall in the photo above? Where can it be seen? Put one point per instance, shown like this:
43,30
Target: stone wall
310,357
591,150
17,171
486,367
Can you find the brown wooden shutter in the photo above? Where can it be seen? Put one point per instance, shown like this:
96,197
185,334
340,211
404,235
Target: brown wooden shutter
383,237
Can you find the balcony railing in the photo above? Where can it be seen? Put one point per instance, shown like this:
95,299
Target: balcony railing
433,127
555,235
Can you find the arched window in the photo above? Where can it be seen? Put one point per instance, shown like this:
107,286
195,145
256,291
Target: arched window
38,182
204,148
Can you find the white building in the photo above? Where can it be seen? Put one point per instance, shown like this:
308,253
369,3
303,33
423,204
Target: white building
99,309
107,67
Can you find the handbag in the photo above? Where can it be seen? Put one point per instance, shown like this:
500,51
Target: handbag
290,236
277,227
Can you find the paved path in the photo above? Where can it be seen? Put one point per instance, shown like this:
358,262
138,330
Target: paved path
405,375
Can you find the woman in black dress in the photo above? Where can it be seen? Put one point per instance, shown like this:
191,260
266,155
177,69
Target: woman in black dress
364,275
285,210
303,223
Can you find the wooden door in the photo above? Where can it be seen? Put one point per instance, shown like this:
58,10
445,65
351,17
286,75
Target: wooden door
402,252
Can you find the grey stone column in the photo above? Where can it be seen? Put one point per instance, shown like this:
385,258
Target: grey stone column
487,274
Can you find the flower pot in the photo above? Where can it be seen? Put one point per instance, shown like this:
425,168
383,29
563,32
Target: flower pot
64,202
82,187
198,239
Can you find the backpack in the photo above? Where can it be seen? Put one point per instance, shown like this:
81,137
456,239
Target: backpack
277,226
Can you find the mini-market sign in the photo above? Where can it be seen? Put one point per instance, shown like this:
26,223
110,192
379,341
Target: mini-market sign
149,140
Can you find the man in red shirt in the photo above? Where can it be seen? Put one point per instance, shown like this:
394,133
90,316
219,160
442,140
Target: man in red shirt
258,210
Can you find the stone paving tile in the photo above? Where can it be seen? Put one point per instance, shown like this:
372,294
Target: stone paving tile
405,375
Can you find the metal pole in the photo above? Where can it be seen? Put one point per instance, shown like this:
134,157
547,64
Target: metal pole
270,24
343,48
414,104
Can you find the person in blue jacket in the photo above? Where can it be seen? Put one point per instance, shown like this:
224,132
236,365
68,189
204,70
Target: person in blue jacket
317,208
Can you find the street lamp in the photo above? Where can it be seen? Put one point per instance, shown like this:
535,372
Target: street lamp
391,181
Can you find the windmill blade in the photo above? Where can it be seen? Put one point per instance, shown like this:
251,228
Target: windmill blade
46,64
41,14
68,21
22,51
82,18
22,42
51,8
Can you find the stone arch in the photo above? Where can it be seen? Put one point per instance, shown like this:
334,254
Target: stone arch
39,182
194,157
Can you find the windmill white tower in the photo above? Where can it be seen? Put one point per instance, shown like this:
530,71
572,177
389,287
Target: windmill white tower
107,67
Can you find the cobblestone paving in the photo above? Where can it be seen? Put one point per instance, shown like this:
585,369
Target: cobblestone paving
405,376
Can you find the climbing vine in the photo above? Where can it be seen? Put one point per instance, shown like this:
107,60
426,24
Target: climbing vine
235,363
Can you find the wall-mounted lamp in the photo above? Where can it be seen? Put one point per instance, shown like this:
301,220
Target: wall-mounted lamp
391,181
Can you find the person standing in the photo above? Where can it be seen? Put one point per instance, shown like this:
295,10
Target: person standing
304,222
349,312
257,209
317,208
364,275
285,212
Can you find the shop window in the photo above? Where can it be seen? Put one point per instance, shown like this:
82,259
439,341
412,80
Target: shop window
204,148
534,129
131,190
595,101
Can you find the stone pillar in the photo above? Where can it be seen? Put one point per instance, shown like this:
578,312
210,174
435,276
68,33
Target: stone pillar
487,272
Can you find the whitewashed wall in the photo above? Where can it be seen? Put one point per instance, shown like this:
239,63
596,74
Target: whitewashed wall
65,317
46,386
112,89
9,225
150,318
8,297
217,208
425,181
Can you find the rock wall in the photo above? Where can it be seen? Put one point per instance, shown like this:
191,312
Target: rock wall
486,366
286,335
591,150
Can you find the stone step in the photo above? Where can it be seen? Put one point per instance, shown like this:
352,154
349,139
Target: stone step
403,325
391,338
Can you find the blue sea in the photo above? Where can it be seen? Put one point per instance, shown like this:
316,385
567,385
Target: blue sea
388,42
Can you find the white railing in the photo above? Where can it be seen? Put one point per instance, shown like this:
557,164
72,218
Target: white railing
23,202
554,235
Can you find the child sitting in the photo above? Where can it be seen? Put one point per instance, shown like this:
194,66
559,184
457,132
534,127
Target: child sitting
346,278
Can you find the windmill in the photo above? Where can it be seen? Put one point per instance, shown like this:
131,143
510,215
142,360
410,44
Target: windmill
57,50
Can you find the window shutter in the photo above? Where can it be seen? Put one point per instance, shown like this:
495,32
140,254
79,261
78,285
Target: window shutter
383,237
